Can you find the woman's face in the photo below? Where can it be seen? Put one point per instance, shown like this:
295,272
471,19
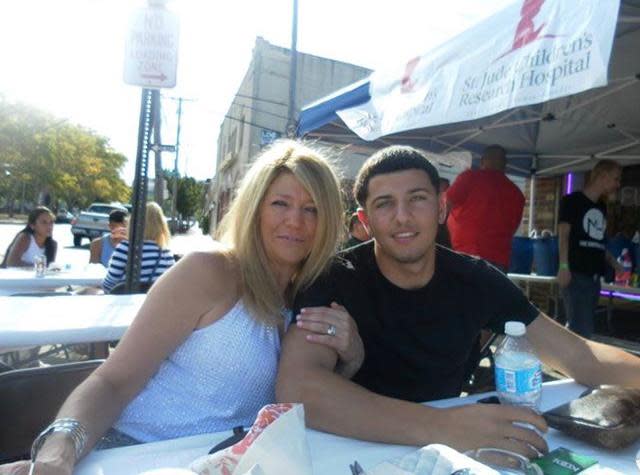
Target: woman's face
288,220
43,226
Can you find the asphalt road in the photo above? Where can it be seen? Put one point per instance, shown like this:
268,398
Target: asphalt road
76,256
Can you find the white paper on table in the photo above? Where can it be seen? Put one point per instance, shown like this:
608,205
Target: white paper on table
280,448
434,459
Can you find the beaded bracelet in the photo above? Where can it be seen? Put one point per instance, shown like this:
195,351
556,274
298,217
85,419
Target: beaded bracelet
76,431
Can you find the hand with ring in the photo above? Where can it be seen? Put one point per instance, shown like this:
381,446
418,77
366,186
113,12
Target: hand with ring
333,327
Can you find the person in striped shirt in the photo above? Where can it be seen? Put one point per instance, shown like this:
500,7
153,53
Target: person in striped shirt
156,257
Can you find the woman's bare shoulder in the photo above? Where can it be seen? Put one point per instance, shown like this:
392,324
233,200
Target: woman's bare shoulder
19,246
214,273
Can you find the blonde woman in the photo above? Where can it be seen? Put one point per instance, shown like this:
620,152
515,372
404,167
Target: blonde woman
156,257
202,354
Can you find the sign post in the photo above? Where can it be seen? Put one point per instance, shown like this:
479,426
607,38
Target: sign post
151,60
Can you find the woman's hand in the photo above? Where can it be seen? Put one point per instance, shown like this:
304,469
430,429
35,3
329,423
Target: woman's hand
333,327
41,468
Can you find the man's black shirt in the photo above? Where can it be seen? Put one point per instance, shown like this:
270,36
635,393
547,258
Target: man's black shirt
418,341
588,222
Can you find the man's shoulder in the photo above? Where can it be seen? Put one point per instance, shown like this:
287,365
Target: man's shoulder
346,270
355,259
462,267
573,197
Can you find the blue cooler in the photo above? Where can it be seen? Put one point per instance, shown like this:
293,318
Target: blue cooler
521,255
546,255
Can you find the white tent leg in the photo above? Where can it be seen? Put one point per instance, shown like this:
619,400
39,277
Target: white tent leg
532,193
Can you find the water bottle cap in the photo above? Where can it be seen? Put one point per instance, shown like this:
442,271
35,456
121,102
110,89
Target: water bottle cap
515,328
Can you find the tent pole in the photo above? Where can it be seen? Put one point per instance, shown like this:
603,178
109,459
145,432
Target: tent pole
532,192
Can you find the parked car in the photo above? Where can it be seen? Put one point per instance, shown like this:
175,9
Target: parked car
182,225
64,216
93,222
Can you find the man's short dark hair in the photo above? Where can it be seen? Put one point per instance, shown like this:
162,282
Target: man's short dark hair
389,160
117,216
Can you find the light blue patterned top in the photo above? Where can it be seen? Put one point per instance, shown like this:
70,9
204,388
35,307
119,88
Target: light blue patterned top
217,379
107,249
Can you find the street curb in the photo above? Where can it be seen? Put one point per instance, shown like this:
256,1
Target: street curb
13,221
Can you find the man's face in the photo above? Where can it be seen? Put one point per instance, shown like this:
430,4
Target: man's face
402,213
612,182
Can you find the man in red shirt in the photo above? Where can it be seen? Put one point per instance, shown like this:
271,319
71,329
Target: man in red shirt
486,209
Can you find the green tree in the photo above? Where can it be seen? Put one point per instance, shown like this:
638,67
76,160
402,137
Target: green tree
190,194
40,153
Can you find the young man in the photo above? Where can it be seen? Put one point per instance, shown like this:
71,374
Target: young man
486,209
419,308
581,238
101,249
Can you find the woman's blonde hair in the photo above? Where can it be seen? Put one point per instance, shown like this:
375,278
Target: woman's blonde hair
240,228
155,225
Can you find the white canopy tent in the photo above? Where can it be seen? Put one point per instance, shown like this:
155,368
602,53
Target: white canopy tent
563,134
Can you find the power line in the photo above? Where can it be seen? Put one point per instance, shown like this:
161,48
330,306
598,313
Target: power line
246,106
254,98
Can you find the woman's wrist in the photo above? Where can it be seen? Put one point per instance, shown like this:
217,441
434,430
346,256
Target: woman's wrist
64,439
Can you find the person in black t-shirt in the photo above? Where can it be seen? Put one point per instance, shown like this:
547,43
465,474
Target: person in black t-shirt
419,307
581,228
412,353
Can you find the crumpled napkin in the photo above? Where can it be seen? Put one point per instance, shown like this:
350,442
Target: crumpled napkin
276,444
434,459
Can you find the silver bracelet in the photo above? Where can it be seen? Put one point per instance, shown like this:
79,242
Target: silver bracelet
75,429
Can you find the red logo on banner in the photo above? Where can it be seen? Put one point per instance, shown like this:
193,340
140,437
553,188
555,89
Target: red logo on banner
526,31
406,81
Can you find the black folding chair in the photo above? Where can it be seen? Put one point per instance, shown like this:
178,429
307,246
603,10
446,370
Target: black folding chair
29,401
477,378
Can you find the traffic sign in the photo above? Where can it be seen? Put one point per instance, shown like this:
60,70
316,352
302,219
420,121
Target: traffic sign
151,51
156,147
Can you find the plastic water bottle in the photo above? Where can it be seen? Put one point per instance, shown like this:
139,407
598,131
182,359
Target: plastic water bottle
518,373
623,278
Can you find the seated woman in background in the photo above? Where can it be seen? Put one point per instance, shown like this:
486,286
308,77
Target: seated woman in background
201,355
35,239
156,257
102,248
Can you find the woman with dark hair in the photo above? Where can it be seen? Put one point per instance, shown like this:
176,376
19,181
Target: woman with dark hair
35,239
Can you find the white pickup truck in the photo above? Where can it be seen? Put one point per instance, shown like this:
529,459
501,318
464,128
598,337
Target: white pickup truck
93,222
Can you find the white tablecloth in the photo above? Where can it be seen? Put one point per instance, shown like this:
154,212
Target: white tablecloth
332,454
14,280
26,321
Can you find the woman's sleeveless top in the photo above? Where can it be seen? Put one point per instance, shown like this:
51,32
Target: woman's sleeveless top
217,379
32,251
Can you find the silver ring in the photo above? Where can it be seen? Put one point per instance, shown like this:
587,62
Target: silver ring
331,331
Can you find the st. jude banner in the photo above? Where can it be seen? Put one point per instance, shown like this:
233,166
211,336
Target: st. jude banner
530,52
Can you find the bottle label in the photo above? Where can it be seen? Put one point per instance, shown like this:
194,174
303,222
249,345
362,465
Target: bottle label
519,381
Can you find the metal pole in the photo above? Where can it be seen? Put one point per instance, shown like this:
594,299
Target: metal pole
293,73
174,199
158,191
139,198
532,193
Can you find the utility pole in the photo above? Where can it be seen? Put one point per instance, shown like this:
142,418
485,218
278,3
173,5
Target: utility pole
174,197
293,73
158,191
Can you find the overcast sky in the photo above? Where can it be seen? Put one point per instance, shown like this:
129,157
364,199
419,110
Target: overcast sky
66,56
